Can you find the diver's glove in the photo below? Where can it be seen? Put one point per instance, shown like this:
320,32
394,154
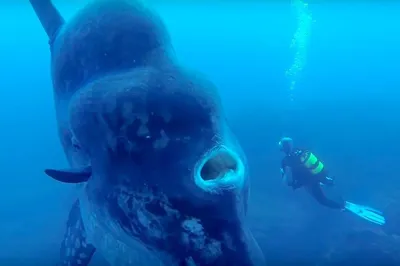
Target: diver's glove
366,213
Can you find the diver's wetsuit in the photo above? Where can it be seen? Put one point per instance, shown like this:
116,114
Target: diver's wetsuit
301,176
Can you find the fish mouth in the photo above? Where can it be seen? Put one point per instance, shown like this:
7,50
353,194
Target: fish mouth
219,169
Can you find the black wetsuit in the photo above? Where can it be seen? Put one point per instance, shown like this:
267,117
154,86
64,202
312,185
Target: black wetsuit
301,176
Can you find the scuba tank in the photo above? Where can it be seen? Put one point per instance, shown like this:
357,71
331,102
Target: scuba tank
311,162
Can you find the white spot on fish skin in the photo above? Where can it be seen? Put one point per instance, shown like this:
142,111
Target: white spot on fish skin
190,262
195,238
194,235
144,118
193,226
143,131
162,142
143,219
213,250
83,255
198,242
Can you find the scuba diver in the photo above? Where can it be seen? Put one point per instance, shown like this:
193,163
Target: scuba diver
301,168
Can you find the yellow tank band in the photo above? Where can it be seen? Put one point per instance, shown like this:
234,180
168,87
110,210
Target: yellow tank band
311,160
318,169
314,164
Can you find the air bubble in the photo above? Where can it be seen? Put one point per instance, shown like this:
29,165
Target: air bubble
299,43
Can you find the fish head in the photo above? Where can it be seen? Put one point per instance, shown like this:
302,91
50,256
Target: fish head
166,169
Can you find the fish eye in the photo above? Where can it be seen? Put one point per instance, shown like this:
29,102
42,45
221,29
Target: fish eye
75,144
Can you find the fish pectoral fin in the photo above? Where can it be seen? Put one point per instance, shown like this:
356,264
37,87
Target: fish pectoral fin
75,249
72,176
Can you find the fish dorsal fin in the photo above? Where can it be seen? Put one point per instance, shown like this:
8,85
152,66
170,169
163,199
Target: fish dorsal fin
72,175
49,17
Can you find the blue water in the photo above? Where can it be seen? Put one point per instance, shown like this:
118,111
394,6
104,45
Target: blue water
345,108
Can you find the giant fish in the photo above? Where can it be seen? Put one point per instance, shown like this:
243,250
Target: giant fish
161,178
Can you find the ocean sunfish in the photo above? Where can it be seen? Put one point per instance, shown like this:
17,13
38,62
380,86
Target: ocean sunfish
161,178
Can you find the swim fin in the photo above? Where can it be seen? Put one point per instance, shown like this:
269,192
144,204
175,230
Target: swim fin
366,213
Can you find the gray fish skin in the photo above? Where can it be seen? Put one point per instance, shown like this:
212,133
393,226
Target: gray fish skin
169,183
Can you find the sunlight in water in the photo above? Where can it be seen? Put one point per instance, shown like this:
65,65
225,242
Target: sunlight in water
299,42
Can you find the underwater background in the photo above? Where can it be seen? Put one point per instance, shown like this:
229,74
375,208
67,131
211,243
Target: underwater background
326,74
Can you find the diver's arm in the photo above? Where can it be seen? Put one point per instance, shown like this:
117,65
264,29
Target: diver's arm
49,16
287,176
